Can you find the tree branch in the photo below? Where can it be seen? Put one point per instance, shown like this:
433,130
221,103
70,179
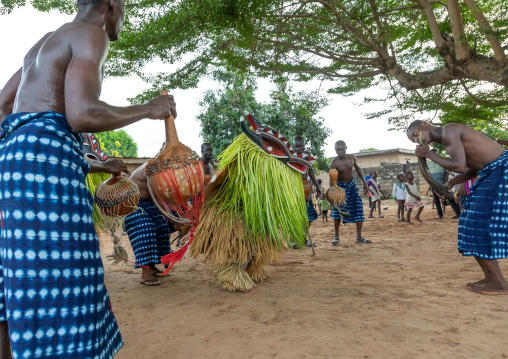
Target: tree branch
462,49
487,29
479,100
434,27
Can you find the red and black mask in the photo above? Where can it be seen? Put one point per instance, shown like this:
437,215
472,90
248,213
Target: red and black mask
276,145
92,147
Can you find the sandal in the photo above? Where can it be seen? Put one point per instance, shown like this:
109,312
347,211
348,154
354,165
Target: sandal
335,241
363,240
158,274
150,282
309,244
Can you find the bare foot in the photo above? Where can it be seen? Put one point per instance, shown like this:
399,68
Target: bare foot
372,217
490,289
477,283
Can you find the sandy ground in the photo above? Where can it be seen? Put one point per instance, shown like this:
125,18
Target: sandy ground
402,296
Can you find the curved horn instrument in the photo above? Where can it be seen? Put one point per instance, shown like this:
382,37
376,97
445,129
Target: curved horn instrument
436,186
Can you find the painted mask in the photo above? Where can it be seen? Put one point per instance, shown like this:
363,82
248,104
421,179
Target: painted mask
276,145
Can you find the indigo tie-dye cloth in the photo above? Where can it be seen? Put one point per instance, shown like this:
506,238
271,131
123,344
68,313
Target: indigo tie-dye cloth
483,225
148,232
311,211
354,204
52,291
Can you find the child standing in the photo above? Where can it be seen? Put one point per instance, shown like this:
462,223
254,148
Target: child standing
375,191
412,199
324,206
399,193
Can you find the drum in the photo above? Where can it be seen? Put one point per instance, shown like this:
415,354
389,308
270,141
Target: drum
117,197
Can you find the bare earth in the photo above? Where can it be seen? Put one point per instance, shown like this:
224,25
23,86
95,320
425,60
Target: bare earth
402,296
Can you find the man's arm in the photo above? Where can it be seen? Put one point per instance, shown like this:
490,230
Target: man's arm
83,81
454,148
360,174
111,165
314,180
466,176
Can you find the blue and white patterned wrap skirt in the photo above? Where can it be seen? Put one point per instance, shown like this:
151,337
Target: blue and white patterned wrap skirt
52,291
148,232
483,225
354,204
311,211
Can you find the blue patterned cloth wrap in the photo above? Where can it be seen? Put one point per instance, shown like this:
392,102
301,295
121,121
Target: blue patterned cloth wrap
148,232
354,204
52,290
483,225
311,211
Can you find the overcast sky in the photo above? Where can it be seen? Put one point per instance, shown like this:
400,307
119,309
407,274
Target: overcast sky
23,27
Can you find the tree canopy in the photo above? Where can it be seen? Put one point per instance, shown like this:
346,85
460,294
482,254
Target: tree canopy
117,144
432,56
291,113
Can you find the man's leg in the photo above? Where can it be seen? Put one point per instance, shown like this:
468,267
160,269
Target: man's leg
485,273
455,207
336,225
359,238
437,202
497,284
5,341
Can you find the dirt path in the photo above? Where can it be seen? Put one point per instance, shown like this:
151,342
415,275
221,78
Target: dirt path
402,296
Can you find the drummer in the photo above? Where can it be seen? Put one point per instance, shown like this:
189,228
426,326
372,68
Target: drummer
148,232
207,159
299,147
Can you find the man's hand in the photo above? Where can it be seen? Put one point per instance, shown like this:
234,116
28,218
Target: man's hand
449,185
114,165
422,151
365,189
162,106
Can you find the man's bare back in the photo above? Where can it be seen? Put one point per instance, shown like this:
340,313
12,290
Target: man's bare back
63,73
466,147
43,80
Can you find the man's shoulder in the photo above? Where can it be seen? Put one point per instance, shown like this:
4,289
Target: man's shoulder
80,31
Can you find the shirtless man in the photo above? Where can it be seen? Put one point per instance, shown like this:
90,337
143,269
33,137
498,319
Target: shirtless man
148,232
482,224
344,164
45,208
207,159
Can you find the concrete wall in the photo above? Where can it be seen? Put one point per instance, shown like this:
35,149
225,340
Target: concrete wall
375,158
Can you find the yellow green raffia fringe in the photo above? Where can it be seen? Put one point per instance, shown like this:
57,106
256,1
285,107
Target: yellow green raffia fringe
259,205
92,182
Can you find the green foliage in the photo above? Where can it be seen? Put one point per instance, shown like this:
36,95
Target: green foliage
355,44
448,103
117,144
369,149
293,114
